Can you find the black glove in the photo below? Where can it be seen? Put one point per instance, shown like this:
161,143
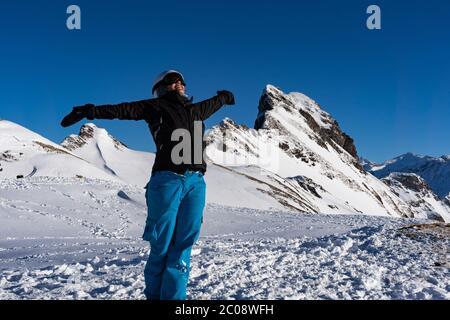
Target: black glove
226,96
77,114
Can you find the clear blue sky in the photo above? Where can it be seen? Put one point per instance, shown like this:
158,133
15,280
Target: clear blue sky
388,89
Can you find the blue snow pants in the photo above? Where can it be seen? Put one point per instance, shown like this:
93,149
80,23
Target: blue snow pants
175,214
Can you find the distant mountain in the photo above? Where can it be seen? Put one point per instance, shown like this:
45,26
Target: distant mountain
25,153
96,146
435,171
366,164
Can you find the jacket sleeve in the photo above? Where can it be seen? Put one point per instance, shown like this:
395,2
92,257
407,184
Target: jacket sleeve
137,110
207,108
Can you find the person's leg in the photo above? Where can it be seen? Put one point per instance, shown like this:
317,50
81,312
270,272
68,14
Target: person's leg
163,197
187,231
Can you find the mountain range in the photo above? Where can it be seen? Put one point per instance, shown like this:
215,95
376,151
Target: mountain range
296,157
434,170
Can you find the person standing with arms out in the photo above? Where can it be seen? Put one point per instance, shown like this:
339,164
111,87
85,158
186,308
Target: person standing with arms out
175,194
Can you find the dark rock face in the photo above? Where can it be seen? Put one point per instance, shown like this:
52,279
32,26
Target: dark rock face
50,148
308,185
266,103
334,134
7,156
409,181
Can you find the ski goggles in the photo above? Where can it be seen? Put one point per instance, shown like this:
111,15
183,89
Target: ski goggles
172,78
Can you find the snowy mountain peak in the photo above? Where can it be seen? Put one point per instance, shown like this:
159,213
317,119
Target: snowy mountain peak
228,123
273,99
16,142
295,111
299,148
101,149
25,153
13,130
89,132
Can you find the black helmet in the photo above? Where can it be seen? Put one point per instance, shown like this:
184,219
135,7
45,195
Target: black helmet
166,78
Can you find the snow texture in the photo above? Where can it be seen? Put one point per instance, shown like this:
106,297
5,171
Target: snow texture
62,238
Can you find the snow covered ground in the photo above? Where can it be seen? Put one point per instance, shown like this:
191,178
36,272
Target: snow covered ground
69,238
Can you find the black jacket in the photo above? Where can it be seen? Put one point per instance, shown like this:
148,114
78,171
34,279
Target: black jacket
164,115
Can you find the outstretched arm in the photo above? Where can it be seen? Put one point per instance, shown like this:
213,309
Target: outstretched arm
207,108
137,110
